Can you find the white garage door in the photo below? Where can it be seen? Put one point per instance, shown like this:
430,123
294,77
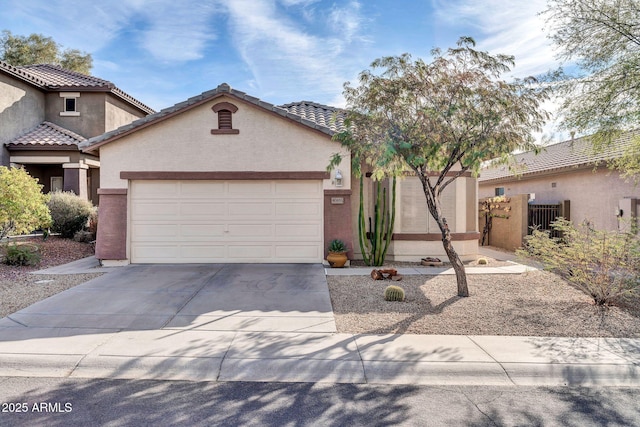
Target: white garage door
226,221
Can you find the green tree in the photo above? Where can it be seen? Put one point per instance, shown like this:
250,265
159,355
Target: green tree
38,49
600,41
440,120
23,207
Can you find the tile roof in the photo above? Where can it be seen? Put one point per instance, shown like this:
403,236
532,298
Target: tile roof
315,116
323,115
573,153
47,134
55,78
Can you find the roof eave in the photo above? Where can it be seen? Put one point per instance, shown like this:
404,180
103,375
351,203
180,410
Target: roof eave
193,102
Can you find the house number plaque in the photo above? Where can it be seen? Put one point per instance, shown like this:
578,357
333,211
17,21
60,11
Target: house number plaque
337,200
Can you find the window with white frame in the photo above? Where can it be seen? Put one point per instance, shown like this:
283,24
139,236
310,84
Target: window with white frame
70,103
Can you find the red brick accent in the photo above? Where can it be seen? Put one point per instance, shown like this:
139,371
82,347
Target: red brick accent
337,219
111,241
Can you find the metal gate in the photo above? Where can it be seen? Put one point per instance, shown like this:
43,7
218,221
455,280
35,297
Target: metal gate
541,217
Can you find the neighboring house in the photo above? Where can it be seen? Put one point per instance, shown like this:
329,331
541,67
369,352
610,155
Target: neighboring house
46,111
567,171
226,177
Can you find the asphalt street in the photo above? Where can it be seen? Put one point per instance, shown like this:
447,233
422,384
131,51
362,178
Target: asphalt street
100,402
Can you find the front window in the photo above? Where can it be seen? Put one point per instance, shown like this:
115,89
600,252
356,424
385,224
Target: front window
70,103
56,183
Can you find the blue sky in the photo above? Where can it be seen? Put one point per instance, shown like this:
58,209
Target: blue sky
165,51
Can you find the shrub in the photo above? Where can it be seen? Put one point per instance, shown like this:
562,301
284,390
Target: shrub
605,265
69,213
83,236
22,255
394,293
23,207
337,245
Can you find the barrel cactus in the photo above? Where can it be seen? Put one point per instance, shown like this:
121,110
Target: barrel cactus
394,293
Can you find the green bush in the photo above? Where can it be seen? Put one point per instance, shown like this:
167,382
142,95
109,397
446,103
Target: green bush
69,213
22,255
23,207
337,245
603,264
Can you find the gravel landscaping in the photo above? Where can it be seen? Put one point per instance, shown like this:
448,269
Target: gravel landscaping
19,288
537,303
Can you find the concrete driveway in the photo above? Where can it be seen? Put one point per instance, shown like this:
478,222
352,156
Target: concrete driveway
212,297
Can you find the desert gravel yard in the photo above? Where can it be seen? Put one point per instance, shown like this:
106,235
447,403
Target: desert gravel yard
536,303
19,288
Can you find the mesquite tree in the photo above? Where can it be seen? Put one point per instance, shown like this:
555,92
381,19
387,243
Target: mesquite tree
600,40
440,120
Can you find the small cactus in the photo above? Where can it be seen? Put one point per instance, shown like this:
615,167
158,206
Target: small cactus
394,293
483,261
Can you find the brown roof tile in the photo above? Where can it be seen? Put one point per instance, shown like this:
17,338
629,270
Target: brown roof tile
54,78
316,116
47,134
568,154
323,115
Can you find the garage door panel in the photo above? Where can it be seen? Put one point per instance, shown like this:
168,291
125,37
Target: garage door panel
155,231
292,253
250,209
297,187
258,231
204,253
298,231
311,209
156,210
253,251
226,221
162,253
256,188
202,189
202,231
158,189
203,211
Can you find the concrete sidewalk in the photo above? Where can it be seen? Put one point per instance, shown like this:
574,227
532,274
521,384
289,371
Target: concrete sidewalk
207,352
196,355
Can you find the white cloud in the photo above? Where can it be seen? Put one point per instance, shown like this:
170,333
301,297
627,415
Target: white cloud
168,30
177,32
346,20
283,54
512,28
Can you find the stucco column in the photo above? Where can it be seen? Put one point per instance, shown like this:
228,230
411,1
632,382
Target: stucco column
111,242
75,179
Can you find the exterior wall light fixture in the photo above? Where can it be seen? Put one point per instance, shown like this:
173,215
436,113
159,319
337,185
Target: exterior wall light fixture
338,177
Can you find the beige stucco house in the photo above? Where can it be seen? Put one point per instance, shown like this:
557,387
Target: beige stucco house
46,111
226,177
570,171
